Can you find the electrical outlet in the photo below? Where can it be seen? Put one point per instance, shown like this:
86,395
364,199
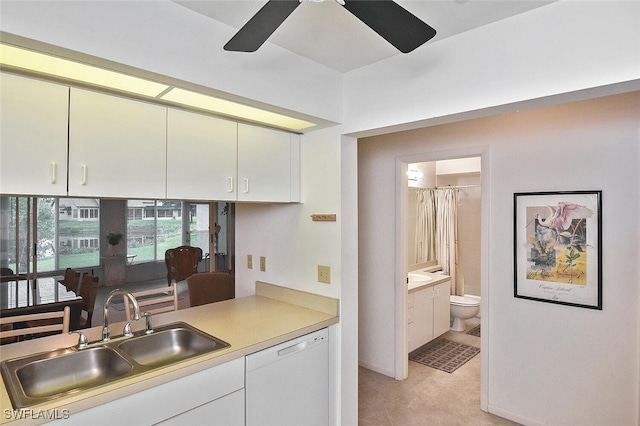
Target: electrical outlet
249,261
324,274
263,263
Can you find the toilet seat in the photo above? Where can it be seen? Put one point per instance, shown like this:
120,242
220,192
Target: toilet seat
463,301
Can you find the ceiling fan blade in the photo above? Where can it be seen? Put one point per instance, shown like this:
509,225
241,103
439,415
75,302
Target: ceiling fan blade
258,29
393,22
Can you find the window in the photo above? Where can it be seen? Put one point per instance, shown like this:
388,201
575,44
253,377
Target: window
152,228
88,213
66,233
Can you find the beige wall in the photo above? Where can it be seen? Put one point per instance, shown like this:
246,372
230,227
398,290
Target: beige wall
543,363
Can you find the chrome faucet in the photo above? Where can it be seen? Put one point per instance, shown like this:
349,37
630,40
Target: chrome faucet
106,335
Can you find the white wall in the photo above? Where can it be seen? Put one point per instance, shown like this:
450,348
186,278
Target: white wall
566,47
547,364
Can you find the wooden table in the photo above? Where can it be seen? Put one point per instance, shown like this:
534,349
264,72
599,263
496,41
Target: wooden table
20,297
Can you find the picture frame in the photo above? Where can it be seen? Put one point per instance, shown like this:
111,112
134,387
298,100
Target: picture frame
558,247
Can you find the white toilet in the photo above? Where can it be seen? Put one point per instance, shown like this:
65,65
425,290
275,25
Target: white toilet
463,308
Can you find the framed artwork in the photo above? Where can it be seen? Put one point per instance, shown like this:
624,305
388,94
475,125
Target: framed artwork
558,247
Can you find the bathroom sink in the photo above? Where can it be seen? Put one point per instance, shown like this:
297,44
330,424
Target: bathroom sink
418,278
39,378
171,344
46,376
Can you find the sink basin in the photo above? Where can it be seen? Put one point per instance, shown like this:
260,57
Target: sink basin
164,347
418,278
42,377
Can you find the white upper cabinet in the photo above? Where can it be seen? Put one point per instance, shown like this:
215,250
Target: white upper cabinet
33,136
201,157
117,147
61,141
268,165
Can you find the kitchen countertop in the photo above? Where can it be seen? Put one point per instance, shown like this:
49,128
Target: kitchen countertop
249,324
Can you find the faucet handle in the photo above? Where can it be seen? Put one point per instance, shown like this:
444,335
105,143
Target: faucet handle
126,332
149,328
83,342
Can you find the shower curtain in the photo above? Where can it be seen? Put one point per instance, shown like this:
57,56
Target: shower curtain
425,236
437,229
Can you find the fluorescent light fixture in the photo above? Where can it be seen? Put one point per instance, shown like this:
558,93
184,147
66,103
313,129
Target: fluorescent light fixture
63,68
222,106
66,69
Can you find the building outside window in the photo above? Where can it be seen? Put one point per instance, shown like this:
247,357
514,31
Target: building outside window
153,226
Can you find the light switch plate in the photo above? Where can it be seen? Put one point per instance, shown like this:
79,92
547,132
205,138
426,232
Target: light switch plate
263,263
249,261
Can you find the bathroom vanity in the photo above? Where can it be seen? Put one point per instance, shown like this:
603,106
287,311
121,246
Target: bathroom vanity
427,306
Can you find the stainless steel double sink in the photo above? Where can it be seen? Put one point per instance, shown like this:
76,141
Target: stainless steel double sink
46,376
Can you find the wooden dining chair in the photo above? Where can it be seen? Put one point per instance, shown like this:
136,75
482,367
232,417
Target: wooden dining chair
6,272
44,322
209,287
71,280
154,301
88,291
182,262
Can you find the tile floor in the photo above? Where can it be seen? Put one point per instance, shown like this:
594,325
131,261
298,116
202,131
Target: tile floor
428,396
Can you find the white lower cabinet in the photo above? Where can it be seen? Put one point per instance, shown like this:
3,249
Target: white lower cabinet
428,314
202,398
227,411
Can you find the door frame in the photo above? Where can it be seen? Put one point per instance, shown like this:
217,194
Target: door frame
401,199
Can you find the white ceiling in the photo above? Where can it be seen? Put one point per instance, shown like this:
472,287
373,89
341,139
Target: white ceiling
328,34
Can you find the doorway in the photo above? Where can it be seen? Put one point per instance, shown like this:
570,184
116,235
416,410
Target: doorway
403,252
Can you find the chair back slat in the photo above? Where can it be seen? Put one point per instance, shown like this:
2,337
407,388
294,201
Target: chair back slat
62,326
164,299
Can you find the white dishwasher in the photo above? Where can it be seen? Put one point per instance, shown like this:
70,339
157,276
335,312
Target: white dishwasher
288,384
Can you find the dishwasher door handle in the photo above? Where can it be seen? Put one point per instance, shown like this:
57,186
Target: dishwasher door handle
292,349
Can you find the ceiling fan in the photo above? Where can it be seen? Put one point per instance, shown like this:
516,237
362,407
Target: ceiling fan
387,18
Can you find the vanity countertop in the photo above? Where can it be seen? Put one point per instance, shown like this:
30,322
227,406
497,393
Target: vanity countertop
431,279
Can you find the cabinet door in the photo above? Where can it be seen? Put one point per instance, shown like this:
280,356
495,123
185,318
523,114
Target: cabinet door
410,318
201,157
422,316
117,147
174,398
264,164
33,136
441,309
227,411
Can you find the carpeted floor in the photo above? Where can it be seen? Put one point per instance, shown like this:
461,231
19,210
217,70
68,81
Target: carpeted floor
445,355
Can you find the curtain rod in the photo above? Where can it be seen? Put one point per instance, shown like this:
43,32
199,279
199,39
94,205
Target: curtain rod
449,186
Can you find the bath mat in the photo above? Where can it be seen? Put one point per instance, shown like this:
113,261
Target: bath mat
445,355
475,331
